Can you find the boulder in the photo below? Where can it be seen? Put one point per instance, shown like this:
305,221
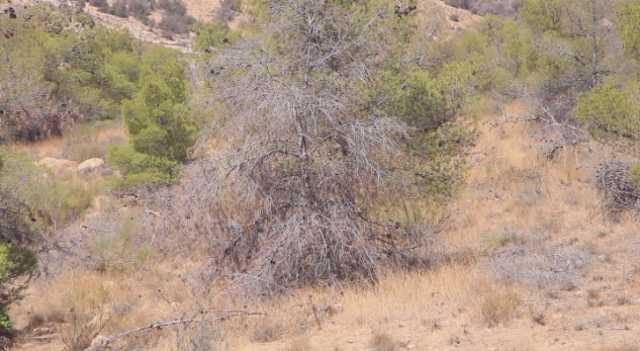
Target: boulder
92,165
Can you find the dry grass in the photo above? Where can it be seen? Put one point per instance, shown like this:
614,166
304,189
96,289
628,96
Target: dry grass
80,143
268,329
411,298
299,344
381,341
512,197
92,141
76,298
202,10
499,306
625,347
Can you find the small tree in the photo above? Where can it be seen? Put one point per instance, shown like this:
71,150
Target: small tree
158,120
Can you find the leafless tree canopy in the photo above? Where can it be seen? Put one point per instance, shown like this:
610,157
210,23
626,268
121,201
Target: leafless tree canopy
310,154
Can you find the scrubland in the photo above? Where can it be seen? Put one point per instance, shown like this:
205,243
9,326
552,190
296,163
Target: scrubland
330,175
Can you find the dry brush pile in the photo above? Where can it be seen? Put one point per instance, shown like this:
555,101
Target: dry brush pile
616,182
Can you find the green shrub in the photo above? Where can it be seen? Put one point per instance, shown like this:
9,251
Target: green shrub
89,71
456,81
628,20
98,73
158,120
414,97
212,34
15,262
139,169
542,15
611,109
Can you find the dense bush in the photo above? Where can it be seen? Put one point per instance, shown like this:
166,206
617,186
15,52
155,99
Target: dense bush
159,122
158,116
611,109
16,262
213,34
553,52
543,15
423,99
618,182
416,99
100,71
18,233
141,169
628,20
28,109
51,79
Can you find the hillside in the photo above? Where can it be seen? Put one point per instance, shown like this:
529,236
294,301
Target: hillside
576,292
325,176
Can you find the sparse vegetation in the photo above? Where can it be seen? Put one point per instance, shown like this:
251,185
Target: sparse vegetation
486,7
118,251
383,342
499,306
81,142
360,170
300,344
174,13
48,200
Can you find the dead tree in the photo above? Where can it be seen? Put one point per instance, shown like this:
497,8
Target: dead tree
311,156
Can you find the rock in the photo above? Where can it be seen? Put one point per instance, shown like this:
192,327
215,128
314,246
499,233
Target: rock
92,165
57,165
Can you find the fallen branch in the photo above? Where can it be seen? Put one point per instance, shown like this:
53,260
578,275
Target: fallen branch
103,342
